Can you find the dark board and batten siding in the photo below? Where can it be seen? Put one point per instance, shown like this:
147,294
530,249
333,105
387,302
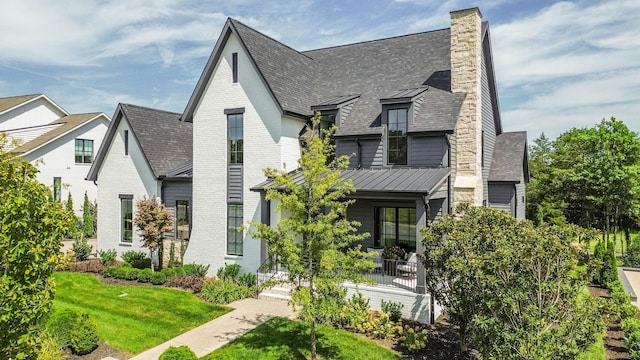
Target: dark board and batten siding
503,197
488,125
371,152
234,184
428,151
173,191
362,211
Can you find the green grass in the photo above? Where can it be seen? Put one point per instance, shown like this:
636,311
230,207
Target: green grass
620,241
595,352
141,319
281,338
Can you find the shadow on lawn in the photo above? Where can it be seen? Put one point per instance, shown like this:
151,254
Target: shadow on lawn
288,338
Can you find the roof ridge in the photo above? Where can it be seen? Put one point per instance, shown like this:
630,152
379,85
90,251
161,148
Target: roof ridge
150,108
234,21
378,40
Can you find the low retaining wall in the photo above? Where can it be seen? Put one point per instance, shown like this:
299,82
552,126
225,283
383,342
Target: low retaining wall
417,307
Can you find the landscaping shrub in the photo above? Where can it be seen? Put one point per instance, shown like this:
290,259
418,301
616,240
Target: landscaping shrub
91,266
604,254
60,324
179,271
84,336
631,328
169,272
178,353
110,271
195,269
189,282
248,280
393,308
622,301
414,339
49,349
81,249
223,292
137,259
632,256
228,272
65,261
144,276
158,278
126,273
107,257
356,315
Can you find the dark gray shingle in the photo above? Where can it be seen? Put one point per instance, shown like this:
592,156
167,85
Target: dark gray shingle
510,157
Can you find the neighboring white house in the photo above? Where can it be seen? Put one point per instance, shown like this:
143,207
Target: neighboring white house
143,154
61,145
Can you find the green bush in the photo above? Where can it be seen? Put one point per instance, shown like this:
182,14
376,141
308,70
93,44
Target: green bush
178,353
604,254
195,269
82,249
622,301
49,348
223,292
169,272
137,259
632,340
630,325
144,276
248,280
228,272
60,324
110,271
179,271
126,273
414,339
84,336
393,308
107,256
158,278
632,256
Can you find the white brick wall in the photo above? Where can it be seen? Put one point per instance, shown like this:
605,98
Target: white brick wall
122,174
263,147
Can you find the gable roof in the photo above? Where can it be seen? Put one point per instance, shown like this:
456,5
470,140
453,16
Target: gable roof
510,158
66,125
165,140
9,103
372,70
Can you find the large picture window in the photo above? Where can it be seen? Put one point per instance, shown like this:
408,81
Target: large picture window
126,216
234,230
182,220
396,226
397,136
235,136
84,151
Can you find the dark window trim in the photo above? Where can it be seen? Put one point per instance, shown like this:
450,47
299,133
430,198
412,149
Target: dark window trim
188,231
241,232
123,227
234,111
376,221
236,155
84,158
234,60
57,188
386,109
125,196
126,142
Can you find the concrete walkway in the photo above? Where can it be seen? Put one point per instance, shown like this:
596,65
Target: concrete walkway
248,314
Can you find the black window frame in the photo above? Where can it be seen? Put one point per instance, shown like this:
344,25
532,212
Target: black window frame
234,64
57,188
126,219
394,140
410,244
235,234
126,142
82,156
235,151
179,233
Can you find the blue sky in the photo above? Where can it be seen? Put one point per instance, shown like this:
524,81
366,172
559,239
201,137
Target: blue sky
559,64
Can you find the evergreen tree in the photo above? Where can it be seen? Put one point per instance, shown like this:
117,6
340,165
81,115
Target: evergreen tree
87,218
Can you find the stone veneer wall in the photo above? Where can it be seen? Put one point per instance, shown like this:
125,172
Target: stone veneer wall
466,66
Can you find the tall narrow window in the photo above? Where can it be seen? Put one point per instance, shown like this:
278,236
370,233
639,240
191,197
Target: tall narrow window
57,188
397,136
182,220
126,142
235,135
326,122
84,151
234,60
126,218
234,230
396,226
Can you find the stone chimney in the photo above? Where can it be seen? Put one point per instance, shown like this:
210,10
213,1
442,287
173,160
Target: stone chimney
466,67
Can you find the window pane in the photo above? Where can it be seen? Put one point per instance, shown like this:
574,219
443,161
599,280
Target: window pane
397,226
234,233
57,188
182,219
402,119
234,138
127,219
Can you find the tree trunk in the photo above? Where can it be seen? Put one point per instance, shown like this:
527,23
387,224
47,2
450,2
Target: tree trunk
312,323
627,237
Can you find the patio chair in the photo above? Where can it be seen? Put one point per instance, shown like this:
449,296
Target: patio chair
377,258
410,266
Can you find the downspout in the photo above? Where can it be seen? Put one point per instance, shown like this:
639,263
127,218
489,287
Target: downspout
359,153
432,303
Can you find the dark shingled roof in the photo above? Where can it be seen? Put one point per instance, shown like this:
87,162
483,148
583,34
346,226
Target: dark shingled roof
412,181
166,142
510,158
184,170
66,124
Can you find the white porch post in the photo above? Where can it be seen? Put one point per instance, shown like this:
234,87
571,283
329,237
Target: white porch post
421,221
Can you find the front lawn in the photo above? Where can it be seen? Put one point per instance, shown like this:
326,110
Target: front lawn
133,318
281,338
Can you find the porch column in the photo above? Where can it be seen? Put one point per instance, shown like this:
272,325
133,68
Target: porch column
421,221
265,218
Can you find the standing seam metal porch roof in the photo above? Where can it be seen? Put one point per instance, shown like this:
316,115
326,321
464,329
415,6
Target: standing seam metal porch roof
403,180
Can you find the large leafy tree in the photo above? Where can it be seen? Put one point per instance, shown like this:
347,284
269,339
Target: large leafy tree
514,288
152,221
313,238
31,226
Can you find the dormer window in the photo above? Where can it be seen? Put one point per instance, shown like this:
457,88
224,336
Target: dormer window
397,124
327,120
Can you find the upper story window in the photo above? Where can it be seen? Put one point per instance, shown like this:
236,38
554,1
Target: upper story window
126,142
397,120
234,60
326,122
235,138
84,151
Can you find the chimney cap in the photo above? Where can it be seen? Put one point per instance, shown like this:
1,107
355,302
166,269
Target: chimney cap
476,9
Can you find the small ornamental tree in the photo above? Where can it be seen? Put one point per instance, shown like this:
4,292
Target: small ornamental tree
87,217
31,226
152,220
313,239
516,289
73,228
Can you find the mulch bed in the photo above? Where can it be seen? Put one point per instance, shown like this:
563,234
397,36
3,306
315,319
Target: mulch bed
614,338
102,351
